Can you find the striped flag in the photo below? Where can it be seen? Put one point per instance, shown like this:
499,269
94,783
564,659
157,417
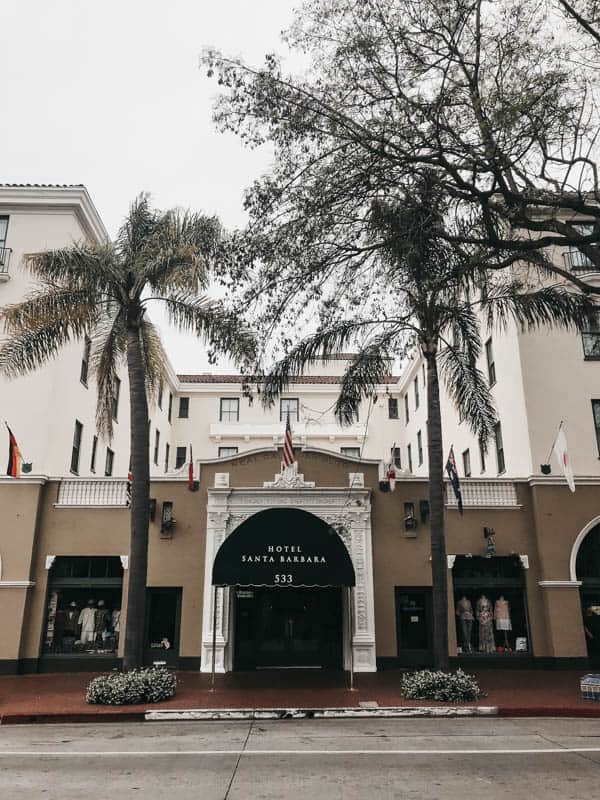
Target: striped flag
453,475
14,455
561,452
128,489
288,447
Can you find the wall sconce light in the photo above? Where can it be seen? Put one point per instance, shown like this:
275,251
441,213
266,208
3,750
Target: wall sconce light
152,509
167,520
545,469
410,522
424,510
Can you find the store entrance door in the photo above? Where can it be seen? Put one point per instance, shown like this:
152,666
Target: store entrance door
414,627
288,627
163,613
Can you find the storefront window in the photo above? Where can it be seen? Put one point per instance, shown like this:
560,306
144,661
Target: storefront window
84,606
490,606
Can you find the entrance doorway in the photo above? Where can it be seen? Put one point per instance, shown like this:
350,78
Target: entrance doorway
288,627
414,627
163,613
588,572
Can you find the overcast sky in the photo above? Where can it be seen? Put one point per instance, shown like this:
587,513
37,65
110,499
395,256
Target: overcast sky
110,95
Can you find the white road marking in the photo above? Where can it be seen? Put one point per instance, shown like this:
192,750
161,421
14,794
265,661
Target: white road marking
155,753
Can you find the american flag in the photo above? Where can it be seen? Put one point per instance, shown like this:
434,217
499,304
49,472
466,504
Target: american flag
288,447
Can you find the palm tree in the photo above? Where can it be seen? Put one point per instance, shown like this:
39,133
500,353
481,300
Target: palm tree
427,294
104,290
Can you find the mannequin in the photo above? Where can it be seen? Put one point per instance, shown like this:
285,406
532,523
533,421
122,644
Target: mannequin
87,620
464,612
101,620
71,620
116,623
502,618
485,617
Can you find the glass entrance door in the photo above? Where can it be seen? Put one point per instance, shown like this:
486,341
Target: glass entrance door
288,627
414,626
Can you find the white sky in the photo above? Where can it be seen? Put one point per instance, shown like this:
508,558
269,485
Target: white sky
109,94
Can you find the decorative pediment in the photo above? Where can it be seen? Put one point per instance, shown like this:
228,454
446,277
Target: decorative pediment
289,478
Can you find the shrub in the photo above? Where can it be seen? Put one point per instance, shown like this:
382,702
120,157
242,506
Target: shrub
127,688
456,687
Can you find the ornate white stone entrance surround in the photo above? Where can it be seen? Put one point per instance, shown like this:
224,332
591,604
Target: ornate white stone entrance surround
348,510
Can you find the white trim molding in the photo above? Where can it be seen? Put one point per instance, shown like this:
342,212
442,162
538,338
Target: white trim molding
16,584
227,508
49,561
577,544
559,584
124,561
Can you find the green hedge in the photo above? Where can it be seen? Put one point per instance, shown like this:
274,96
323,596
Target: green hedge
455,687
128,688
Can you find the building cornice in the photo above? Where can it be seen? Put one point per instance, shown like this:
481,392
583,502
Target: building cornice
56,198
35,479
16,584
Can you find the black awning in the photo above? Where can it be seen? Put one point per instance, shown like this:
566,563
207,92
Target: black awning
283,547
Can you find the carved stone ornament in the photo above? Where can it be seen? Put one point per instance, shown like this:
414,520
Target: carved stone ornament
289,478
49,561
124,561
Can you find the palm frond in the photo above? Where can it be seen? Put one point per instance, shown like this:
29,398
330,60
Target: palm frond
81,265
139,225
469,391
154,358
40,326
179,251
367,370
109,347
318,347
210,321
551,306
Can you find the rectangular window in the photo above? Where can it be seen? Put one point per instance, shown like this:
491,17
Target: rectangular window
499,448
4,252
156,445
577,260
110,458
482,454
85,361
93,458
392,408
591,340
184,407
420,447
596,413
180,457
160,393
491,366
424,375
225,452
167,453
354,452
75,452
466,456
230,409
406,411
3,230
397,458
409,453
170,411
289,406
115,399
416,385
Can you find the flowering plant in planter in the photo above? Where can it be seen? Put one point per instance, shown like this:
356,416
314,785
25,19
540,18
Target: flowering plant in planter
128,688
455,687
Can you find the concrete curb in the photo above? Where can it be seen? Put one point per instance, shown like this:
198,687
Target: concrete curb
203,714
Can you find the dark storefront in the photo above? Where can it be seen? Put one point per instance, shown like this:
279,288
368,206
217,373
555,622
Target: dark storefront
588,572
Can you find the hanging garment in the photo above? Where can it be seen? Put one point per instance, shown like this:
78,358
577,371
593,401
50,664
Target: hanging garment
71,621
102,620
116,620
87,620
502,615
485,618
464,612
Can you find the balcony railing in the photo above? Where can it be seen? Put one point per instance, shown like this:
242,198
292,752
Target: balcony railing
484,493
96,492
4,261
579,262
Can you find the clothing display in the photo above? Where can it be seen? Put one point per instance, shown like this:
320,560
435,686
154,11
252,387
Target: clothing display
116,620
485,616
464,612
87,620
502,614
101,621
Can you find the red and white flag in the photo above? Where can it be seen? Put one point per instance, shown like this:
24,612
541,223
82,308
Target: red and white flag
288,447
560,450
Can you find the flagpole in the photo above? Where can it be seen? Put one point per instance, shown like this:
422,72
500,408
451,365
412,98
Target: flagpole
554,442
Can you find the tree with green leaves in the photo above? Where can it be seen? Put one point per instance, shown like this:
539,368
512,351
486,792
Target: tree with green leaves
104,291
411,291
495,97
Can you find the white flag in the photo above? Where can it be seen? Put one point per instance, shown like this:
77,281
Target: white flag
560,449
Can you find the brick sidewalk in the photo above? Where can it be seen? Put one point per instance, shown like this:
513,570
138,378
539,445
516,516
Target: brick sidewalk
515,692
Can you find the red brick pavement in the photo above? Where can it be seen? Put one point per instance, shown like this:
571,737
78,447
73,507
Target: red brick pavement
515,692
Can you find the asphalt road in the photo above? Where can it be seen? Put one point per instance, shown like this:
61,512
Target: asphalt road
425,759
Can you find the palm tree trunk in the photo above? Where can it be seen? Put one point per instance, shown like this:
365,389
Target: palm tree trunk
140,503
439,567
